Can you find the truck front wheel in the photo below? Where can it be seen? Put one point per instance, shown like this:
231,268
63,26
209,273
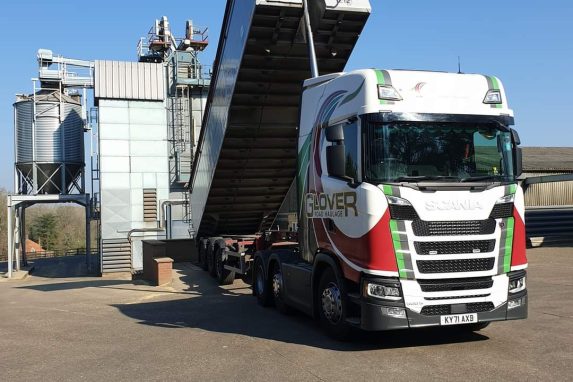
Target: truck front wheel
331,299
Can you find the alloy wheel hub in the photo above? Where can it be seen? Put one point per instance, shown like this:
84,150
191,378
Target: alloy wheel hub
332,303
277,284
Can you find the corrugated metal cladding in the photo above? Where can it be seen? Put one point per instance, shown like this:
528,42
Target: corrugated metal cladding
129,80
548,194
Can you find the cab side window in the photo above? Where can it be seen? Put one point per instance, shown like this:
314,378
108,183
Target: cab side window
351,150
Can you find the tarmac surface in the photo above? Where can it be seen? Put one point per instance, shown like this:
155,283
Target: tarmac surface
79,328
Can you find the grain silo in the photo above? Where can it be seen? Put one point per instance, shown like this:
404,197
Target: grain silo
49,143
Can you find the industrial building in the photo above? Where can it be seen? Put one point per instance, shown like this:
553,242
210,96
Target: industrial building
540,161
143,127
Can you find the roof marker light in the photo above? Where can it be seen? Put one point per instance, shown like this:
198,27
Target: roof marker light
492,97
387,92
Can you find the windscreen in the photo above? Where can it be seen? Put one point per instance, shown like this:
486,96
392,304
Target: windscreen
410,151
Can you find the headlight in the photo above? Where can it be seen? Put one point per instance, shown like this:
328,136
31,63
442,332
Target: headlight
503,207
398,201
506,199
517,285
383,291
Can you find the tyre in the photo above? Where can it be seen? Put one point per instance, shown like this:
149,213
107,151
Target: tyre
277,283
331,299
211,261
203,257
224,276
261,285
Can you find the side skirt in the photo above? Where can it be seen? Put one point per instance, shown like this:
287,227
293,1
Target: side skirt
297,278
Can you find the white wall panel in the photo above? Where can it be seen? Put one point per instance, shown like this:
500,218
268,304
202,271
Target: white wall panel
148,148
149,164
114,131
148,132
116,113
136,180
147,116
114,147
113,181
162,180
149,180
109,165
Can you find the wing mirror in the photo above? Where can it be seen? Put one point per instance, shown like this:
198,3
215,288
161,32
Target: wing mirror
334,133
517,155
515,137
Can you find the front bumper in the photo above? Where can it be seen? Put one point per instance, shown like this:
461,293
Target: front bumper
373,319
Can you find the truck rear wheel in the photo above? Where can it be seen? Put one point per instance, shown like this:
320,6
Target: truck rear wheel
203,257
224,276
331,299
278,290
261,285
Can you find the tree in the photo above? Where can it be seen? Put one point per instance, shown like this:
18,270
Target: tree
43,230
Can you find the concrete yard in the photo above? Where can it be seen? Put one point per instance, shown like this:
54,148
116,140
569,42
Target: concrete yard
102,329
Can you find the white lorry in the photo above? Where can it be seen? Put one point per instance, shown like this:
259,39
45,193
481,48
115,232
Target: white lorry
408,208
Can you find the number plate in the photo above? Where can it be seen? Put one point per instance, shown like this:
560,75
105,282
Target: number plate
459,319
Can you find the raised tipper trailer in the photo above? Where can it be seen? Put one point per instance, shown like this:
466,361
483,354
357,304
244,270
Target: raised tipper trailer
402,185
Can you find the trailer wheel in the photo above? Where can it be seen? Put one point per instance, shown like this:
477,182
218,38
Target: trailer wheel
224,276
211,263
331,299
278,289
261,285
203,257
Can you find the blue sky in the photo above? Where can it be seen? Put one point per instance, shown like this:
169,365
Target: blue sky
527,44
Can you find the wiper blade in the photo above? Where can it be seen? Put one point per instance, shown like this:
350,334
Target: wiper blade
419,178
480,178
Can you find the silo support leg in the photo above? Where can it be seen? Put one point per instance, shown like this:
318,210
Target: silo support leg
17,234
88,236
10,232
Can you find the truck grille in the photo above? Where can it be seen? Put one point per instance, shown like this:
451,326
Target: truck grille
457,297
403,212
454,247
451,228
440,310
455,284
453,266
503,210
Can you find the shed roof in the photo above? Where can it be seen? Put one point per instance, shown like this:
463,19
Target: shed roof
551,159
32,246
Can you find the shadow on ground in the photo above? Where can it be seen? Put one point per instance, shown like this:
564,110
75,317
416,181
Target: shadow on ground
234,311
71,267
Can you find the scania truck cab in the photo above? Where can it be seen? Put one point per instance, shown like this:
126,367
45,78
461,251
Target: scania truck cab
410,213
